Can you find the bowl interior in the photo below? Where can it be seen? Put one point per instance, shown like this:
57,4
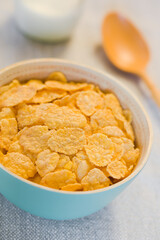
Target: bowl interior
40,68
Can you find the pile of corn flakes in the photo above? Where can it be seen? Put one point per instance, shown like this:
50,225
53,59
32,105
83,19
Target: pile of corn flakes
65,135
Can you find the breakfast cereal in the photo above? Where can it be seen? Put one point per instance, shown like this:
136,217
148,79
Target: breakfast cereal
69,136
67,140
58,179
89,101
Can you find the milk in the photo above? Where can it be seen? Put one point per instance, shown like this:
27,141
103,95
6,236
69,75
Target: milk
47,20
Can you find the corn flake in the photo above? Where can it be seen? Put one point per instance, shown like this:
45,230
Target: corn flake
36,84
36,179
19,164
16,95
103,118
112,102
72,187
63,161
62,117
95,179
112,131
7,113
67,140
45,96
99,149
34,139
1,156
28,115
46,162
118,148
125,125
14,83
15,147
117,169
128,115
131,156
128,144
9,127
57,76
68,100
89,101
4,142
58,179
70,87
81,167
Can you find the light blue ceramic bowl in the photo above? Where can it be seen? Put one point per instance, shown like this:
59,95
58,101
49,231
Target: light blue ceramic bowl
61,205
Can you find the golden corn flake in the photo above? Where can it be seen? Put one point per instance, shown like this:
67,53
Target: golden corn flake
16,95
46,162
69,136
68,100
129,130
89,87
95,179
82,155
28,115
68,165
8,127
128,115
99,149
118,148
112,102
67,140
58,179
36,84
117,169
80,167
15,147
1,157
57,76
125,125
72,187
14,83
63,161
70,87
36,179
112,131
131,157
88,130
62,117
34,139
97,89
103,118
89,101
7,113
4,142
19,164
45,95
128,144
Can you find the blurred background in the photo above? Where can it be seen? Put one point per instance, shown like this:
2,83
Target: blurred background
140,201
85,43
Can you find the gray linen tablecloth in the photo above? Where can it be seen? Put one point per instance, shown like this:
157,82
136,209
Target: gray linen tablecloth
135,214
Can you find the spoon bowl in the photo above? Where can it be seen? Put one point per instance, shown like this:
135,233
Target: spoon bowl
126,48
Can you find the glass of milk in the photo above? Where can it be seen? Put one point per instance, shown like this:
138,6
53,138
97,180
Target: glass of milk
47,20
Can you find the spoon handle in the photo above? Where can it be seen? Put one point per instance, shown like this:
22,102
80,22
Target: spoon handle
154,90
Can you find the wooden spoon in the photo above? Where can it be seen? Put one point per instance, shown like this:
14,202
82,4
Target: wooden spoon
127,49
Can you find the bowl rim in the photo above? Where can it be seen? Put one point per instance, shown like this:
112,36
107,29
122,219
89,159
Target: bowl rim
125,88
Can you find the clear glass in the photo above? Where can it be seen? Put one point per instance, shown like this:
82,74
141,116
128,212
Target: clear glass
47,20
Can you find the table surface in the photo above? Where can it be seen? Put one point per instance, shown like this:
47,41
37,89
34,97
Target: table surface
135,214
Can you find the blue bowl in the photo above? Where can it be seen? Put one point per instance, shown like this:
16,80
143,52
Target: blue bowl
60,205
